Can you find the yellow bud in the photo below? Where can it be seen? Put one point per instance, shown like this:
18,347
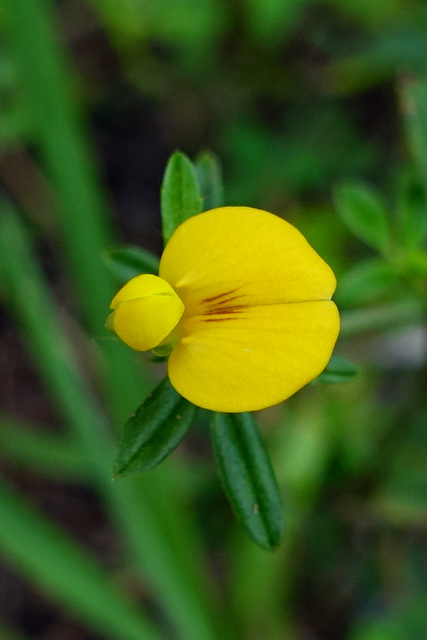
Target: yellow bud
146,310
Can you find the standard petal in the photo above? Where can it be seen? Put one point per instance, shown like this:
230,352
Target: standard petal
241,256
253,358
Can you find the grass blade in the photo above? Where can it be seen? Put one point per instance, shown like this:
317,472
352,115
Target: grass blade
44,72
134,505
68,574
43,452
413,95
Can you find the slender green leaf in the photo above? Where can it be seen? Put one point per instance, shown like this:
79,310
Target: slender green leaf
43,71
247,476
365,282
382,317
209,178
45,76
411,212
133,502
27,295
127,262
338,370
156,428
413,94
180,197
41,451
363,213
71,577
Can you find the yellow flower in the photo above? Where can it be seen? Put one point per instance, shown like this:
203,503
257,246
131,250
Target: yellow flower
243,305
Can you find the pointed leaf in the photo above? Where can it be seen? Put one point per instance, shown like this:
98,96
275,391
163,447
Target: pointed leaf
411,212
180,196
156,428
363,213
338,370
247,476
61,568
413,94
365,282
125,263
209,178
42,451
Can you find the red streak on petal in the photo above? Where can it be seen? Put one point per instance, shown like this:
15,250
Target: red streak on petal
220,307
218,319
221,310
220,295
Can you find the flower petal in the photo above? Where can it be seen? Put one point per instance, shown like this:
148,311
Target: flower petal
146,310
141,287
255,358
242,256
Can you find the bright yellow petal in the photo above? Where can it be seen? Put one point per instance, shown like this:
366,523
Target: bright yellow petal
141,287
253,358
234,256
146,310
144,323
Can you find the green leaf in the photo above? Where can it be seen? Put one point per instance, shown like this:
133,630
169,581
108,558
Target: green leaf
413,94
247,476
365,282
384,317
337,371
156,428
270,21
411,212
209,178
41,451
127,262
364,215
67,573
180,197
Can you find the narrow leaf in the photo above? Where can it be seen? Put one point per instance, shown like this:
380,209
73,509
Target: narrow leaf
46,453
209,178
367,281
247,476
338,370
154,431
180,197
127,262
413,94
363,213
411,212
384,317
49,558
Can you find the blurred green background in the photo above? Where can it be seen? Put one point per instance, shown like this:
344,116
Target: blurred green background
318,113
